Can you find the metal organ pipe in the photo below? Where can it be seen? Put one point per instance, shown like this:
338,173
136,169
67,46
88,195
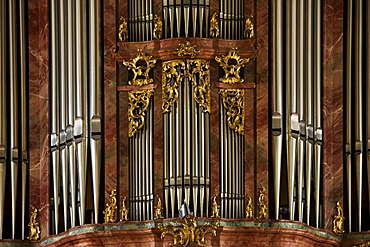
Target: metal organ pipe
368,90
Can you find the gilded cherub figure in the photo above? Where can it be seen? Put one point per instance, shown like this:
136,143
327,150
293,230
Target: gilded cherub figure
158,209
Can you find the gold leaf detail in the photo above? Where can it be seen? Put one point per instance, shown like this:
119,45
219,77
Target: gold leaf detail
231,64
233,102
172,75
138,102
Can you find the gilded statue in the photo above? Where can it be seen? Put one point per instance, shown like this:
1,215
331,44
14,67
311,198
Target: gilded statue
124,210
157,32
110,209
158,209
215,208
249,28
338,222
262,208
215,31
249,208
122,31
34,232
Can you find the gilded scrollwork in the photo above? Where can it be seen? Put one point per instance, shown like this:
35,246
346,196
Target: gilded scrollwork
122,30
338,222
140,65
214,29
366,244
157,31
110,209
262,206
34,231
231,64
249,28
233,102
198,68
186,49
138,103
172,76
189,232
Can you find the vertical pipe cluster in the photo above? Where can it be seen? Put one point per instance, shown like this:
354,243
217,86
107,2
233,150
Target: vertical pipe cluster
231,19
357,128
296,122
140,14
13,111
75,117
186,136
186,18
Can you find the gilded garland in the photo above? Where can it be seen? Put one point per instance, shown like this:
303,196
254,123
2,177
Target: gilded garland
172,75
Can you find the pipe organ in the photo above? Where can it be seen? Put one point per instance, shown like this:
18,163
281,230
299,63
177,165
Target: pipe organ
296,123
231,19
76,110
141,20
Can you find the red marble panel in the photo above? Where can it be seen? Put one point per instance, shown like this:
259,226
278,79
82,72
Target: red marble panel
158,7
110,99
333,108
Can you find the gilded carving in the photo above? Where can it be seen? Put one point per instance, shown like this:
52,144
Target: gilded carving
140,65
249,28
172,75
157,31
186,49
338,222
262,206
34,231
214,29
231,64
249,208
198,68
233,102
124,210
189,232
138,103
122,30
366,244
158,209
110,209
215,208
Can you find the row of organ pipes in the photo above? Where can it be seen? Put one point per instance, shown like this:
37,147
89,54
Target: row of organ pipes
13,123
75,108
296,112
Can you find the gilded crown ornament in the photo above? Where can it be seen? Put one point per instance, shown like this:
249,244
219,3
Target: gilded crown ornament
214,29
215,208
122,30
124,210
249,28
157,31
338,222
249,208
34,231
186,49
262,207
158,209
110,209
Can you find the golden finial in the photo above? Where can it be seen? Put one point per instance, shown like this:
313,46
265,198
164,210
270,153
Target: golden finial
249,208
215,208
124,210
338,222
262,208
110,209
249,28
122,31
157,31
34,232
158,209
214,26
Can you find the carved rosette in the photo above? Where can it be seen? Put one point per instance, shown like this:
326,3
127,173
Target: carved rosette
172,75
199,69
233,102
138,103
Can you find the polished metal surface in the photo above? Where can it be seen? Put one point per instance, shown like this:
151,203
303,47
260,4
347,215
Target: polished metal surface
3,114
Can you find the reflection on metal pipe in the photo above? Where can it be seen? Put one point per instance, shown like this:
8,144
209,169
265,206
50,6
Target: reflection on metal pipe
368,90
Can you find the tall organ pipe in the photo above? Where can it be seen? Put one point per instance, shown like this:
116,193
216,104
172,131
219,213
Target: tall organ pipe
14,123
24,155
3,107
358,111
349,112
368,90
277,100
54,111
95,100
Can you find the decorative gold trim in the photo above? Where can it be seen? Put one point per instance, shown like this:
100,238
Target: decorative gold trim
157,31
249,208
233,102
231,64
158,209
138,103
338,222
215,208
249,28
198,68
186,49
189,232
34,231
124,210
172,76
366,244
110,209
214,30
141,71
262,205
122,30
